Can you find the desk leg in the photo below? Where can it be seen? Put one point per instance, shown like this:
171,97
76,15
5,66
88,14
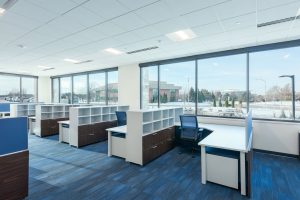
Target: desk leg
203,164
109,144
243,173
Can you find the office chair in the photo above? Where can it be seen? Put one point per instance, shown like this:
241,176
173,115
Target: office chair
121,118
190,131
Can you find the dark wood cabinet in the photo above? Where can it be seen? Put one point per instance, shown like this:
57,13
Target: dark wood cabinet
50,126
93,133
158,143
14,175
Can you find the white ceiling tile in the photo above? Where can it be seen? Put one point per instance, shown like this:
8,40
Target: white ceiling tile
207,30
170,26
147,32
162,13
108,29
106,8
135,4
235,8
129,22
201,17
55,6
240,22
265,4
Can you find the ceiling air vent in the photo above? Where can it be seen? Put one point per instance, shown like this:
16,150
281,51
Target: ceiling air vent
279,21
141,50
84,61
47,69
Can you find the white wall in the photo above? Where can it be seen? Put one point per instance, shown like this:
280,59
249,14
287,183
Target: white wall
129,86
44,89
281,137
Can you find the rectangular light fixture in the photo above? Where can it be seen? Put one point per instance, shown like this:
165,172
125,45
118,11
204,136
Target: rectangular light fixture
181,35
113,51
2,11
71,60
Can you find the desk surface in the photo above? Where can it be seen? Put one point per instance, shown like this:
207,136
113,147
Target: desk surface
64,122
225,137
33,117
118,129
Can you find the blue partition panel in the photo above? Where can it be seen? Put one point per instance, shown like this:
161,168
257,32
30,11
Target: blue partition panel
4,107
13,135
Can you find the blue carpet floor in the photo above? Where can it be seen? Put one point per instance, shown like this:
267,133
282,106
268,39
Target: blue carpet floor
58,171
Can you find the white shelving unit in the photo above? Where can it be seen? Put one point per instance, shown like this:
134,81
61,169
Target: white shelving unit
23,109
50,111
80,116
144,122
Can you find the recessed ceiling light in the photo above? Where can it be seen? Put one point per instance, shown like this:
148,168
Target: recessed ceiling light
2,11
181,35
71,60
113,51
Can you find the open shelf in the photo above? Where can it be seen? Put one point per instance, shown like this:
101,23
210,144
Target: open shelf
156,115
105,117
46,109
84,120
113,109
171,122
165,113
147,116
96,111
96,119
113,117
46,116
84,111
147,128
105,110
171,113
165,123
156,125
58,109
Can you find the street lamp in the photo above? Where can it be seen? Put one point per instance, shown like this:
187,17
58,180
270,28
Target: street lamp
293,89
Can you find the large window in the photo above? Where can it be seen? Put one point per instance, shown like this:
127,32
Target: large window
97,89
177,86
66,90
271,94
150,87
222,83
55,90
80,89
228,84
112,87
17,88
29,87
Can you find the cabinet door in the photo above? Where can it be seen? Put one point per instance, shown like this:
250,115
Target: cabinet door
44,127
147,141
82,135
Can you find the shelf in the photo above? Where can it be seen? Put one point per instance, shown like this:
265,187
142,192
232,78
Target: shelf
171,113
96,110
147,128
156,125
96,119
171,122
84,111
165,123
113,109
113,117
147,116
105,117
165,113
157,115
85,120
105,110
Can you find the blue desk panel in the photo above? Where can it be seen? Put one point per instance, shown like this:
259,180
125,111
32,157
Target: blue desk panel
13,135
4,107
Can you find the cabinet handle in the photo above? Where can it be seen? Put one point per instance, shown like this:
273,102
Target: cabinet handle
153,147
91,134
154,134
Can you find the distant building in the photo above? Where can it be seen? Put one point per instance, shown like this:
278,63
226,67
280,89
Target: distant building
168,90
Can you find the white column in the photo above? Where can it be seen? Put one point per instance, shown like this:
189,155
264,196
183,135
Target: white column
109,143
203,164
243,173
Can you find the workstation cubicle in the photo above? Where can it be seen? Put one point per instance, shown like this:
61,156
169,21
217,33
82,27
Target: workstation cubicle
14,158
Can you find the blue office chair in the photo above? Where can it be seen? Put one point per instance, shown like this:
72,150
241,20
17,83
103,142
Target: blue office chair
190,132
121,118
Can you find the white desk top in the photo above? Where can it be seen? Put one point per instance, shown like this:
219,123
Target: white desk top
33,117
64,122
225,137
118,129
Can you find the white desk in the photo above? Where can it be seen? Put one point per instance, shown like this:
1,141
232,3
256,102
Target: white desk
31,124
116,146
64,131
229,138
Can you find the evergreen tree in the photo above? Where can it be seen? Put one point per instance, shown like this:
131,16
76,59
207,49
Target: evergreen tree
220,103
233,103
226,102
215,103
192,95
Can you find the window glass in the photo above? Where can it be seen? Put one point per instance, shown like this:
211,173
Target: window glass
177,86
149,87
222,86
112,87
65,90
80,89
55,90
270,95
29,86
9,88
97,88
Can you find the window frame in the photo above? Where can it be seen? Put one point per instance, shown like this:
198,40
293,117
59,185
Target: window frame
245,50
87,73
21,76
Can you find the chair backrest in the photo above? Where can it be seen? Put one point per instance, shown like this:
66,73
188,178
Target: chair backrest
121,118
189,127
